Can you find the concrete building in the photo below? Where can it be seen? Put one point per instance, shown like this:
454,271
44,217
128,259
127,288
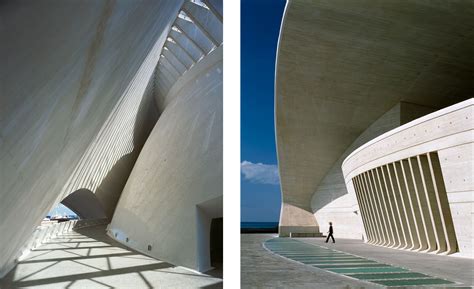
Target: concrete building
114,108
374,122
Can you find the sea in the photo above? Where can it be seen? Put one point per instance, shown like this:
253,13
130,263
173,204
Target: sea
258,225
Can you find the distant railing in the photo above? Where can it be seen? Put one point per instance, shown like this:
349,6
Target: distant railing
43,234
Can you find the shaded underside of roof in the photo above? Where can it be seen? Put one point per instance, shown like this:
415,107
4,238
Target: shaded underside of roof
342,64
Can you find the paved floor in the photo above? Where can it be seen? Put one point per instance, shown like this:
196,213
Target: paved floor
264,269
460,270
88,258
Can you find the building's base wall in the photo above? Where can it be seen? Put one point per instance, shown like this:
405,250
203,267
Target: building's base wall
295,219
345,217
298,231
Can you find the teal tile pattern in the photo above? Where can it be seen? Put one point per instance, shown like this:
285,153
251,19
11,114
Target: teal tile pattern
349,265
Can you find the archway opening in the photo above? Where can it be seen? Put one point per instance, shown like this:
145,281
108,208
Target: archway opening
60,213
85,204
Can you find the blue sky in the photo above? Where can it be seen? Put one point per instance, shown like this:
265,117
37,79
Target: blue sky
260,189
60,209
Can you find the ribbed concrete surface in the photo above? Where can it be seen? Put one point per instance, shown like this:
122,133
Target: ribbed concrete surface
427,165
65,68
178,172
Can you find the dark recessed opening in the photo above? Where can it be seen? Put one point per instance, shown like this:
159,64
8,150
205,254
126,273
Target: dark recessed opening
216,242
126,239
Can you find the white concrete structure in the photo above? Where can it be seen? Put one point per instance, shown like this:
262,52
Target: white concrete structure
82,85
419,180
180,183
348,72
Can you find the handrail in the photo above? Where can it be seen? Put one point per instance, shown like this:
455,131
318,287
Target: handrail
43,234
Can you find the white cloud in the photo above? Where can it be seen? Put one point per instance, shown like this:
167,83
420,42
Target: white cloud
260,173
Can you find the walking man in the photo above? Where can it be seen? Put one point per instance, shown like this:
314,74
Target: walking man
330,233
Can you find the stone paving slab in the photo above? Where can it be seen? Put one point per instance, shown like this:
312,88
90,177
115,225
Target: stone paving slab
453,268
88,258
263,269
353,266
277,245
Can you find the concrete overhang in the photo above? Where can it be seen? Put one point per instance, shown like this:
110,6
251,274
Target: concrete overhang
342,64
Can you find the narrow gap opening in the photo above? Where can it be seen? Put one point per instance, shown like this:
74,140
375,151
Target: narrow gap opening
216,242
60,213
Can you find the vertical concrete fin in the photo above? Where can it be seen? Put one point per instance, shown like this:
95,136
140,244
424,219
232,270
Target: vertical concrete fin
442,202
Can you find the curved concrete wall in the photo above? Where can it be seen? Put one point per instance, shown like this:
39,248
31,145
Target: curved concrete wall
85,204
176,184
333,201
108,161
66,68
423,171
343,64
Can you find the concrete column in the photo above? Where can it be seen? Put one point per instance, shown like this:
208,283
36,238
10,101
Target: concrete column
393,218
373,202
370,210
414,240
442,202
398,205
363,209
428,188
415,183
379,206
370,213
417,210
388,215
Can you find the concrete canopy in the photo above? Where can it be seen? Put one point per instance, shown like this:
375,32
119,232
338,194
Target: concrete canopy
342,64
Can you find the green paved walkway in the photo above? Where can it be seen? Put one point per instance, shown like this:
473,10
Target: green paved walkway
349,265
